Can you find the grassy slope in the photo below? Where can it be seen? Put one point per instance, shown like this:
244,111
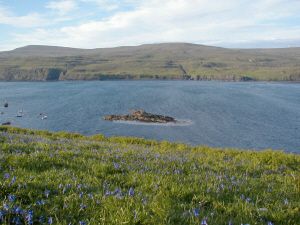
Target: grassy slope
164,61
98,180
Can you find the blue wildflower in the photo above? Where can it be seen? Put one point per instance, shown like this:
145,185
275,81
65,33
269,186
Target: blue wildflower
40,202
117,191
80,194
131,191
29,217
47,192
50,220
5,207
16,221
11,198
18,210
107,193
82,223
204,222
6,176
13,180
196,212
116,166
270,223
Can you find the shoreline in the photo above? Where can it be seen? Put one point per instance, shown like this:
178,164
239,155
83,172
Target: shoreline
33,131
147,80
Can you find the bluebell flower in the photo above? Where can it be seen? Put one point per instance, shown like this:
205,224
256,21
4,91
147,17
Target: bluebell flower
116,166
6,176
13,180
82,223
131,191
47,192
196,212
107,193
117,191
11,198
50,220
40,202
16,221
204,222
270,223
80,194
18,210
5,207
29,217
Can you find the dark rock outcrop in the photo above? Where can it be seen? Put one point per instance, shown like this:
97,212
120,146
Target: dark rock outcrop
141,116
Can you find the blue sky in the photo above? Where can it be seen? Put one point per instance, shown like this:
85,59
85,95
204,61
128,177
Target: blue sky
109,23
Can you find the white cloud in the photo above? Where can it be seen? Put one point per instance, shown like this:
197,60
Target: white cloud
29,20
199,21
63,7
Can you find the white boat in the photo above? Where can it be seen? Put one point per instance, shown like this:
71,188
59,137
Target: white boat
44,117
20,113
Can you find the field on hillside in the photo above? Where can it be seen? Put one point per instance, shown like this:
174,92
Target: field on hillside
63,178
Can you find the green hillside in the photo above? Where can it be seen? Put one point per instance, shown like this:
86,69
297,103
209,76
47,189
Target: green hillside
155,61
63,178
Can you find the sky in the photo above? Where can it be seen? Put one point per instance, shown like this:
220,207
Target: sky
110,23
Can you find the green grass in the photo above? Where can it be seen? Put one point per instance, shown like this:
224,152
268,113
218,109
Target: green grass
98,180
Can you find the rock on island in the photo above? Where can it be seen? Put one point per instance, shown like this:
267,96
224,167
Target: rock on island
141,116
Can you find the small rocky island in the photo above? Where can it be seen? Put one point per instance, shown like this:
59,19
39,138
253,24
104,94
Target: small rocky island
141,116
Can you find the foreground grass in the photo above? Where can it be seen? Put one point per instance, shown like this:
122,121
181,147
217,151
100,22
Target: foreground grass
62,178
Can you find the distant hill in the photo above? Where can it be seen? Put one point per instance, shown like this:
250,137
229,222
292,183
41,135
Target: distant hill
151,61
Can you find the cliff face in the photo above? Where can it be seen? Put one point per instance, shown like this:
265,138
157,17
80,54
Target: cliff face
158,61
38,74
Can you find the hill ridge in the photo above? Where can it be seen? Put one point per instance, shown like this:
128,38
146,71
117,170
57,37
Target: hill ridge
150,61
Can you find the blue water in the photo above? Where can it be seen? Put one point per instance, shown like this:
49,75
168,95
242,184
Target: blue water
251,115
